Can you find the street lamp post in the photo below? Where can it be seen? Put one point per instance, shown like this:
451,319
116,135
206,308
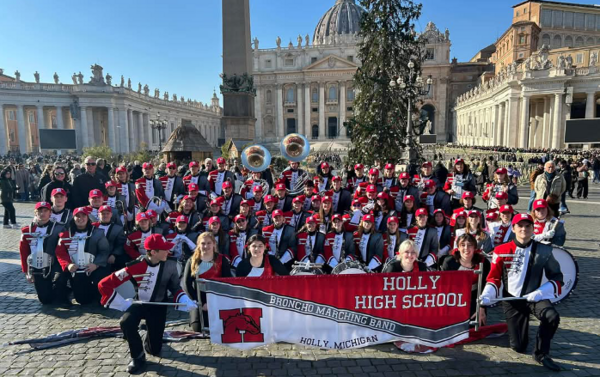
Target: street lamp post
159,125
414,78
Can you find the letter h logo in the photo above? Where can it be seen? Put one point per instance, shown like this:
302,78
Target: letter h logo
241,325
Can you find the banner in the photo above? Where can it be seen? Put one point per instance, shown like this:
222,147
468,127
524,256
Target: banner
340,311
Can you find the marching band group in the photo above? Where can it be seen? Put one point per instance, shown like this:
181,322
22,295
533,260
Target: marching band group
154,232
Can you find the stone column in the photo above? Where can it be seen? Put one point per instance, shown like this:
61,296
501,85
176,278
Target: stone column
59,118
590,105
22,133
512,137
124,134
280,129
300,109
83,127
547,122
40,117
556,128
131,128
322,135
307,111
140,128
3,131
112,140
258,134
342,104
524,124
494,125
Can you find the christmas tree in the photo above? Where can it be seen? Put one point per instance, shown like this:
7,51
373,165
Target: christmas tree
388,44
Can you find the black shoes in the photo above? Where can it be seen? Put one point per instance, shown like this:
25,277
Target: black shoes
137,365
548,363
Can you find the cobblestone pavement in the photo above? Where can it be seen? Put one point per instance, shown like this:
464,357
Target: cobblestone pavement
22,316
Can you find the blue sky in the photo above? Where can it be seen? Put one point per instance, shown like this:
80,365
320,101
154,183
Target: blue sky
176,45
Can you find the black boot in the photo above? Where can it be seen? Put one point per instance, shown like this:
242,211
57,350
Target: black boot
137,364
547,362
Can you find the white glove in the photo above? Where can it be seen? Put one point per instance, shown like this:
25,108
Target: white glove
485,301
550,233
539,237
535,296
188,306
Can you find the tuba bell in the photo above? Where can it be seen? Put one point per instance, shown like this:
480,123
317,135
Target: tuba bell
295,147
256,158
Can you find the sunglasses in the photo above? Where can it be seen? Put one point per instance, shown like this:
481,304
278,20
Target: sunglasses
90,163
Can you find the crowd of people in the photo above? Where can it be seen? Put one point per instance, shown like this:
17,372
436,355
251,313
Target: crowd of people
103,226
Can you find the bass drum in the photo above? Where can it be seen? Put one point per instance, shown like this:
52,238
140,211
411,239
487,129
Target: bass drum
126,290
569,269
303,271
350,268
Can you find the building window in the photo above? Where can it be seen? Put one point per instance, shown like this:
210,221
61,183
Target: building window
315,109
289,62
579,21
313,60
350,95
522,39
430,54
291,125
332,93
568,41
521,55
315,95
350,58
54,123
557,41
579,42
269,97
589,42
568,20
522,29
350,108
546,17
31,117
269,63
546,39
290,110
518,14
579,59
11,115
11,136
557,18
289,97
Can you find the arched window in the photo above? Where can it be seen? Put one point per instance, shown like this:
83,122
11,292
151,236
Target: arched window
578,42
557,41
546,39
589,42
332,93
289,96
568,41
269,96
315,95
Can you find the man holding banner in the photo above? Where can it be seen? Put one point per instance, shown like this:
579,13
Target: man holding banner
520,266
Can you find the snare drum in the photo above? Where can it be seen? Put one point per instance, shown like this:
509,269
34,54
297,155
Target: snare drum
300,270
350,268
569,269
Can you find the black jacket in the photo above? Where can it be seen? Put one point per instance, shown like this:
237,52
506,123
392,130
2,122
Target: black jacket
83,185
47,191
7,190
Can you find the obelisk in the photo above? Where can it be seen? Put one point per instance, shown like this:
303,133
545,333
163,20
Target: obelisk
237,88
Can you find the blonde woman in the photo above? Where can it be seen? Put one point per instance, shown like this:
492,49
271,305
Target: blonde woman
406,260
205,263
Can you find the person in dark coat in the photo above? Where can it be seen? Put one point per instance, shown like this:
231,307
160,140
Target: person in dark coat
59,180
87,182
8,187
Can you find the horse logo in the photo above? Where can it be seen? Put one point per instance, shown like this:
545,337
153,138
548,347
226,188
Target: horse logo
241,325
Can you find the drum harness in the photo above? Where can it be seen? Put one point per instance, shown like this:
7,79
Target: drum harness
38,258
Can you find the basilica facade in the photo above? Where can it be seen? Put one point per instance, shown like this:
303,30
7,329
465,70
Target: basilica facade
306,85
102,112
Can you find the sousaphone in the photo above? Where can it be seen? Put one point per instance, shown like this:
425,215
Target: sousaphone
295,148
